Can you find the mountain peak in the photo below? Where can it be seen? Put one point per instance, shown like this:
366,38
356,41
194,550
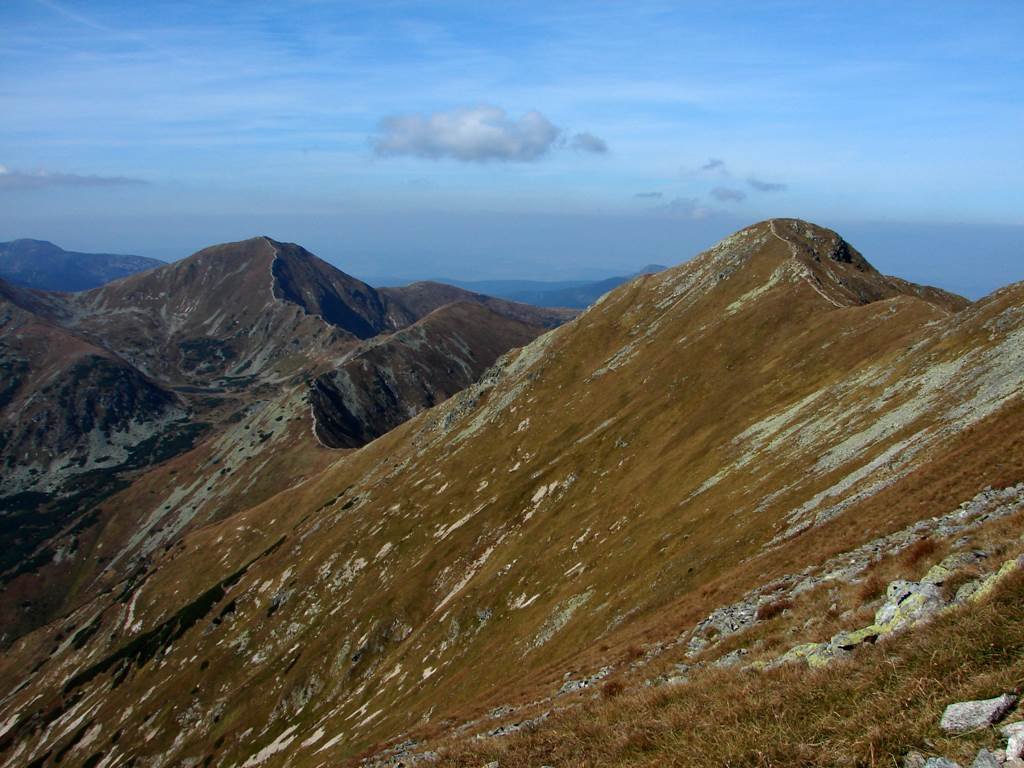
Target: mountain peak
28,244
816,241
796,252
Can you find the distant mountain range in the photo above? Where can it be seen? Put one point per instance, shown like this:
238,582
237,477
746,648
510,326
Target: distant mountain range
576,294
42,265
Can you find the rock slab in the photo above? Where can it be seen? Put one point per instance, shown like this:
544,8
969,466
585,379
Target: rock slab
970,715
986,759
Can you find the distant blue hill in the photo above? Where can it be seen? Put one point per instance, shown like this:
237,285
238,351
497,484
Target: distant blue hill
576,294
43,265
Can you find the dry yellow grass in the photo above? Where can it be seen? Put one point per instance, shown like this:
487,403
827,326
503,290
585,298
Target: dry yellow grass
867,711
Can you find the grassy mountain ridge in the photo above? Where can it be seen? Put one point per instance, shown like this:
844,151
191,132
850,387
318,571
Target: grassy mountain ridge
698,434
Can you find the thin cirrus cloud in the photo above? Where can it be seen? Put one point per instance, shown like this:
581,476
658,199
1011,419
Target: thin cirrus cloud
765,186
649,195
687,208
18,180
476,135
588,142
728,194
714,164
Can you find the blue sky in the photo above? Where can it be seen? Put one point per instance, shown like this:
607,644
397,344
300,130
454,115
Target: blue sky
517,139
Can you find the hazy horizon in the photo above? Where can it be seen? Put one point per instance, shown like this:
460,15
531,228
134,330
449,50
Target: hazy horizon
944,255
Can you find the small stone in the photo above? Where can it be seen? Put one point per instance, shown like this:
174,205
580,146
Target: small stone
969,715
985,759
913,760
940,762
1014,733
1011,729
1015,746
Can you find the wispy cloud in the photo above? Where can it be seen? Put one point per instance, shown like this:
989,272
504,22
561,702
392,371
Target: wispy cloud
765,186
728,194
713,164
690,208
588,142
470,134
649,195
14,179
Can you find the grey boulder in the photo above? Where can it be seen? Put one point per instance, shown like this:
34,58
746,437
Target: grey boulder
970,715
986,759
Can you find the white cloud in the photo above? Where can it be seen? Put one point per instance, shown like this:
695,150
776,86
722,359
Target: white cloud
475,134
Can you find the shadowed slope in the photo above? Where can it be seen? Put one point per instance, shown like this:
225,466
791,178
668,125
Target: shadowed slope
418,367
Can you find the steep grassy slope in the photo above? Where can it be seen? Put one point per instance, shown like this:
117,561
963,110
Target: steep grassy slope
745,420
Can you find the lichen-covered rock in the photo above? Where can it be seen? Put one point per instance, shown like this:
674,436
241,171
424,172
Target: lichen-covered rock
989,584
906,603
847,641
966,591
815,654
940,572
969,715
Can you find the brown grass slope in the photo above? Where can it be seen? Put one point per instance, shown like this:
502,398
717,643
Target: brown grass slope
697,434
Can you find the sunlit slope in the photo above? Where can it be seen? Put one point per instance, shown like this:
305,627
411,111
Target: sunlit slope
695,434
